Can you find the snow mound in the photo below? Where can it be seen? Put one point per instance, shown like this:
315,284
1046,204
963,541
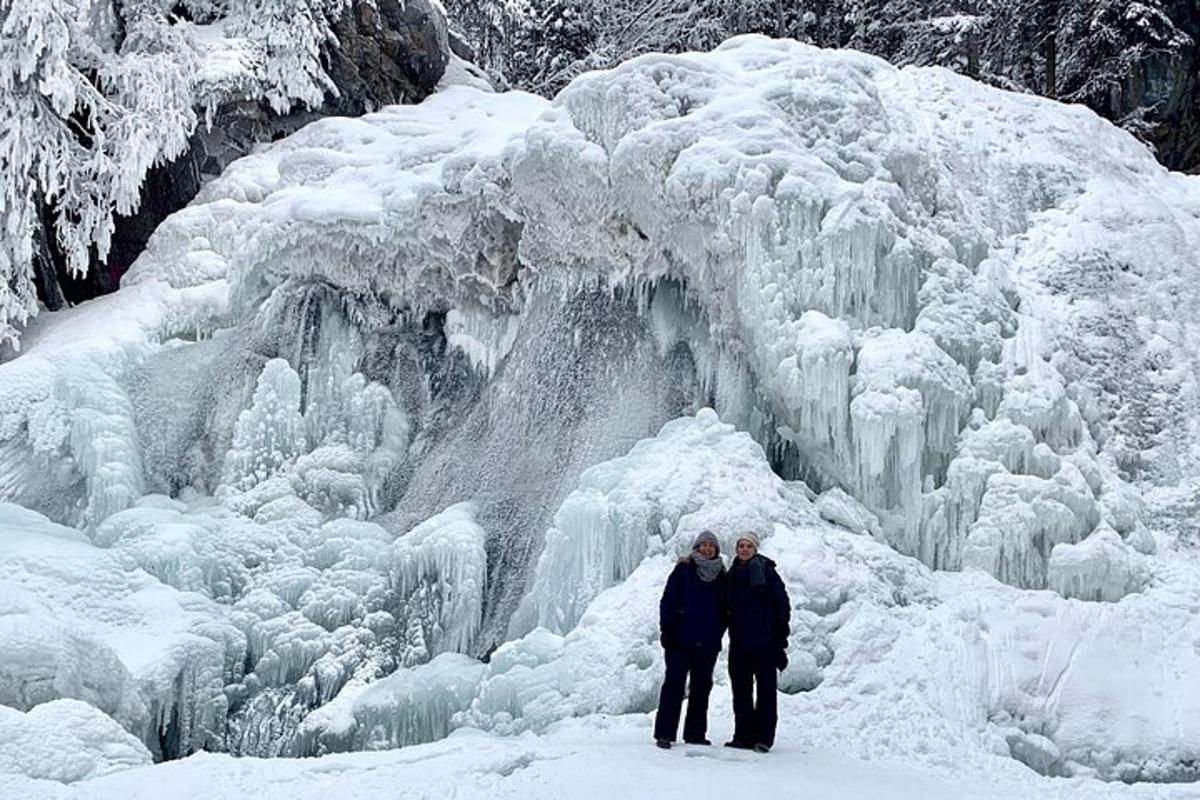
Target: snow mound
75,624
66,741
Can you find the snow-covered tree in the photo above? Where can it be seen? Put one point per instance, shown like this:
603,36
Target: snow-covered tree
93,93
85,116
287,36
1116,55
1124,59
554,43
491,27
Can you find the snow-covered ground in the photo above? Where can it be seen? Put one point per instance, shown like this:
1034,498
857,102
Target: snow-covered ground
596,757
390,439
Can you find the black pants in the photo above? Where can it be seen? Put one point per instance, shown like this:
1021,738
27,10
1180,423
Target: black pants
754,712
682,661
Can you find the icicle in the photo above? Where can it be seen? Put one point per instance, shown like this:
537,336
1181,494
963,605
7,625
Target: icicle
1101,567
439,570
269,434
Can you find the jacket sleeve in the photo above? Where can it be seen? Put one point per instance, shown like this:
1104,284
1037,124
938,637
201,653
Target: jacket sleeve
670,608
781,611
725,602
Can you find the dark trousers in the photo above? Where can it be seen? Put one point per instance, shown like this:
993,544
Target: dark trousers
698,662
754,712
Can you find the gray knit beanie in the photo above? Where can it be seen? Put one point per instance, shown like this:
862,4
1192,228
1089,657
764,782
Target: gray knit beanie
707,536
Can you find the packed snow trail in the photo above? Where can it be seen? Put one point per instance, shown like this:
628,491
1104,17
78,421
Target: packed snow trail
599,757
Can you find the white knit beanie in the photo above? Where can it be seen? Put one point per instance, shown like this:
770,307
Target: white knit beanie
749,536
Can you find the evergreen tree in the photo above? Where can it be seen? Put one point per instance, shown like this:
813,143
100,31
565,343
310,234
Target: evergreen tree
1130,61
555,42
93,93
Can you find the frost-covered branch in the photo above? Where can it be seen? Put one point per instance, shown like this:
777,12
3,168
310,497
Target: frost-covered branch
94,94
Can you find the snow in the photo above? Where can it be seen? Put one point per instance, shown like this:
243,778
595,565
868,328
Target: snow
66,741
392,437
76,625
597,757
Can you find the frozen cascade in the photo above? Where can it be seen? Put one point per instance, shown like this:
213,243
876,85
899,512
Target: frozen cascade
628,507
103,438
1022,518
910,400
410,706
440,569
404,371
966,314
485,338
367,604
914,361
889,433
584,380
270,434
768,232
814,389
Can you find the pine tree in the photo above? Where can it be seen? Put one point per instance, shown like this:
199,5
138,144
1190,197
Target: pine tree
93,93
84,121
1116,55
554,43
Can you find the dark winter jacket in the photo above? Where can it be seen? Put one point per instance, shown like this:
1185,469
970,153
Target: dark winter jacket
693,613
759,609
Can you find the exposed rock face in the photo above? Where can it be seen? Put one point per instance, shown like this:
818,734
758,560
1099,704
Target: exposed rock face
387,52
1175,85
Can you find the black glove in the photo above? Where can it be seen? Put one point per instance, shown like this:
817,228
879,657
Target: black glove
667,637
781,661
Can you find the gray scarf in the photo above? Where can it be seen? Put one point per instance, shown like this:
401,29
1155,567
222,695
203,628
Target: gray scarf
708,568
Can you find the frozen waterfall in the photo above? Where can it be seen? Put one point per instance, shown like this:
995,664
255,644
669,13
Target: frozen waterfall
407,416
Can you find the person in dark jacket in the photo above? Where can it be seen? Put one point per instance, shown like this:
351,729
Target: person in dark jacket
692,619
759,613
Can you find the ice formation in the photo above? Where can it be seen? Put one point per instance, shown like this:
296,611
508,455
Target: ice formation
66,741
628,508
398,428
77,625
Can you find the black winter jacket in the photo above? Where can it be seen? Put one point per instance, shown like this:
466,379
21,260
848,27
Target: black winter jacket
759,609
693,613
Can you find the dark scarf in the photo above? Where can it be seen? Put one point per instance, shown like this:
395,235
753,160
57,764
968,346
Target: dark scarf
758,570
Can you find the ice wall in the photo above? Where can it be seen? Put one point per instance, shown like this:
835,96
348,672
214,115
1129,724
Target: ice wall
377,395
847,269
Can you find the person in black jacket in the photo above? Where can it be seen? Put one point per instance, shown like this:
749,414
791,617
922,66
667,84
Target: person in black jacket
692,620
759,612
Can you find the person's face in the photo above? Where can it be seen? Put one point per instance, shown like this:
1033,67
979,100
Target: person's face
706,550
745,549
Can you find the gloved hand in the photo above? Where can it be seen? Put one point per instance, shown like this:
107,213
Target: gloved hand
667,637
781,660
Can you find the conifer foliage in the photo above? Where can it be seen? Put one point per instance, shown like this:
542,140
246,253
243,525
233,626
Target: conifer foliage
93,93
1130,61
